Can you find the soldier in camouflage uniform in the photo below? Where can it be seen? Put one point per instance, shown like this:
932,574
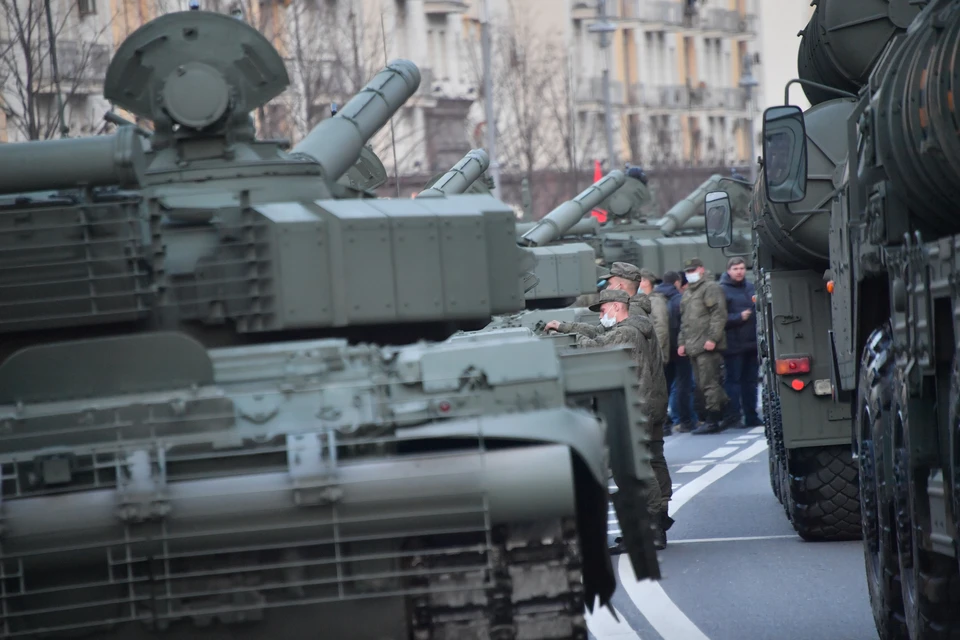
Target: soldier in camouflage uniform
658,313
654,398
618,327
703,337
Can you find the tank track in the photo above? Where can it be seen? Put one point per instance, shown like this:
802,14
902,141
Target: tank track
531,588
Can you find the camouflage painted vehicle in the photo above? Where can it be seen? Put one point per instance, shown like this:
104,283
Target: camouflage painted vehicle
191,435
661,244
891,284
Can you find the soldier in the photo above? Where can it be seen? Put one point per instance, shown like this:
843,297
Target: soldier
703,337
655,395
659,312
619,327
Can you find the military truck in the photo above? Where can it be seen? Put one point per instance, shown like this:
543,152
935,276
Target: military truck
892,286
201,430
813,471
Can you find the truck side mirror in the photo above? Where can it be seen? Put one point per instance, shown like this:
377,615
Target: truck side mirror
784,154
718,221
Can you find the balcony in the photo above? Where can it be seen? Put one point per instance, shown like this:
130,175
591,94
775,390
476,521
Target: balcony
444,6
591,91
668,97
661,13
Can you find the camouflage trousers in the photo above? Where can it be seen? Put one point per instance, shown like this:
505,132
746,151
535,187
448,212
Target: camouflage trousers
660,493
708,378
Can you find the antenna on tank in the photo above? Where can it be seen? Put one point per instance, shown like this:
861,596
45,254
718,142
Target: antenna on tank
393,138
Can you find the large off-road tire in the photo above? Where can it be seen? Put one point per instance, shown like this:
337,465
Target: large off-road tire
874,417
929,581
824,495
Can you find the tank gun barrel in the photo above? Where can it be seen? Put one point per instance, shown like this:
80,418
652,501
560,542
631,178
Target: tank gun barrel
336,142
681,212
94,161
587,226
560,220
463,174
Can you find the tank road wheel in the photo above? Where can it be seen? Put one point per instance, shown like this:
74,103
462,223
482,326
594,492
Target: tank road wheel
874,417
929,581
824,494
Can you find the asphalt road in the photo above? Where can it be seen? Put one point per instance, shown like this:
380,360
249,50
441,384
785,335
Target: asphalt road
734,569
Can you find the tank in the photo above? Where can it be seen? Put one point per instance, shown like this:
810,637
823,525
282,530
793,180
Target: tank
232,398
843,41
659,244
797,235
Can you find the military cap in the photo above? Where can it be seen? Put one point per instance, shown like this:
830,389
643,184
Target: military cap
611,295
646,274
692,263
623,270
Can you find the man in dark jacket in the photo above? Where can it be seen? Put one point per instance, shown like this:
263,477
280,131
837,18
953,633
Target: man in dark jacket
740,358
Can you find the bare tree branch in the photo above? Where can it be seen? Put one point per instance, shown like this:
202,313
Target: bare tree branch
26,72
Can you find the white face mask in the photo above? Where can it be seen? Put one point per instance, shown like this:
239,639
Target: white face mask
608,321
693,277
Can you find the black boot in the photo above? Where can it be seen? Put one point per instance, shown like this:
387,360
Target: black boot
710,425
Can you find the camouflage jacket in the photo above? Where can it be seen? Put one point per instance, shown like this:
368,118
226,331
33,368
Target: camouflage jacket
637,330
655,306
703,316
582,328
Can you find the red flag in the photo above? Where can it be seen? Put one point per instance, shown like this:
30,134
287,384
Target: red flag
599,214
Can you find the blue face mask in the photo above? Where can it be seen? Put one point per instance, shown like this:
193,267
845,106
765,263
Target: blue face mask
601,284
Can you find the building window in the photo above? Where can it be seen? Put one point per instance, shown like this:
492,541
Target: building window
86,7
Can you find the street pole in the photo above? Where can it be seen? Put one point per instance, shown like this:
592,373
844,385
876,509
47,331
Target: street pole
488,97
748,82
603,27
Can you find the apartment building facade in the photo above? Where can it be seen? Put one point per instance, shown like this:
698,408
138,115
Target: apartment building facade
675,69
674,66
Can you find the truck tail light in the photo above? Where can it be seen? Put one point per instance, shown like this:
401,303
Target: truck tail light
793,366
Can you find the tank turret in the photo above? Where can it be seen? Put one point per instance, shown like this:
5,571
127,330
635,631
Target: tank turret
461,177
561,219
844,39
798,234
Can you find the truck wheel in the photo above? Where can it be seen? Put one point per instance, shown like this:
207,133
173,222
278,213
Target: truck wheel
928,580
824,494
874,417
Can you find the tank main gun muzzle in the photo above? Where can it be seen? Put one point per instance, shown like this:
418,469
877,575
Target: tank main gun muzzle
560,220
335,143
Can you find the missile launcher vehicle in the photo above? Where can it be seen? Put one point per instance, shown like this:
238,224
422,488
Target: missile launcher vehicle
220,414
888,303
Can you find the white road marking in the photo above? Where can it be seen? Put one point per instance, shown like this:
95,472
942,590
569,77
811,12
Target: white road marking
698,484
691,468
603,625
720,452
675,485
656,606
739,539
758,430
738,441
751,435
756,448
648,596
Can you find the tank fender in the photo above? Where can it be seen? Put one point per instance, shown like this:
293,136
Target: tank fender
585,437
